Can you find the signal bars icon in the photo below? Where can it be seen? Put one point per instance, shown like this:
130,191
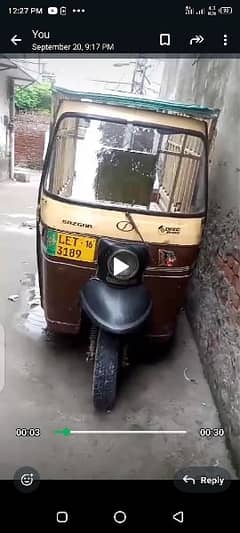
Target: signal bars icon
189,10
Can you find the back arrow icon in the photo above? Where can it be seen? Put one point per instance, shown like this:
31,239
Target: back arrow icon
198,39
15,39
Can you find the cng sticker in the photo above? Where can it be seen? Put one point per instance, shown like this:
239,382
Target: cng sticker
52,238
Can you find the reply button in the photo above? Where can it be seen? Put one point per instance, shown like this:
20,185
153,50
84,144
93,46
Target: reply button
212,480
202,479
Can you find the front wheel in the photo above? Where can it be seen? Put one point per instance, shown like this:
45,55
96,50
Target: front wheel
105,370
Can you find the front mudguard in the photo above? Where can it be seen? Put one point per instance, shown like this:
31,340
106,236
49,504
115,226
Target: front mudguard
119,310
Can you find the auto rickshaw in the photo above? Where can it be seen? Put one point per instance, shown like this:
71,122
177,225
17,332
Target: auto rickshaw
121,211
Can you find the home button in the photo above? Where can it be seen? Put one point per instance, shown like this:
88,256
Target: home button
120,517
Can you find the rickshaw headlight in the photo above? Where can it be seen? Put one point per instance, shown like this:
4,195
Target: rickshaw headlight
123,264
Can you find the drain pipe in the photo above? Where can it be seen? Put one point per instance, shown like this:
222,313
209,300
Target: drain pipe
11,127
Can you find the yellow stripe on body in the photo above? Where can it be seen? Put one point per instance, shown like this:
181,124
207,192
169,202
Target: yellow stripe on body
73,218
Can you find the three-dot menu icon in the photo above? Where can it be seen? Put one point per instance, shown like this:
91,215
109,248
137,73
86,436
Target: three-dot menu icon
79,11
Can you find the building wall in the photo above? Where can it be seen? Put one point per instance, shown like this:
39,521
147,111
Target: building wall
31,130
4,112
214,295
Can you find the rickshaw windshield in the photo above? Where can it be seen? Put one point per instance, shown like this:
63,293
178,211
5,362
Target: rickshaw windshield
126,165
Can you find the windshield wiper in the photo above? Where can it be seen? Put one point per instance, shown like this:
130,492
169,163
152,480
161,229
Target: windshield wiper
130,218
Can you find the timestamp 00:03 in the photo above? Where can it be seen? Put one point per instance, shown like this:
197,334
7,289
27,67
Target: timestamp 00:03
28,432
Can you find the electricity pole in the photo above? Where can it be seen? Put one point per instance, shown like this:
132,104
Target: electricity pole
139,77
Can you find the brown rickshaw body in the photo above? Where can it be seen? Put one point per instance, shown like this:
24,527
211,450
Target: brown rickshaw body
167,234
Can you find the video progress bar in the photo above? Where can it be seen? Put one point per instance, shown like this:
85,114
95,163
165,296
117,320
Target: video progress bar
66,432
128,432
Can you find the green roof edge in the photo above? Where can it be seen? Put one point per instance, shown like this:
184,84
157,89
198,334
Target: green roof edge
141,103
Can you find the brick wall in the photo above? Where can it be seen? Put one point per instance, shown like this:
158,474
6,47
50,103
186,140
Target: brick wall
30,131
229,265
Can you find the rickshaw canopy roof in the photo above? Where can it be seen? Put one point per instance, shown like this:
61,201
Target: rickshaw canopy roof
140,102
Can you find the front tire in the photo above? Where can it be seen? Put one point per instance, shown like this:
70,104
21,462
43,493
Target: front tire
105,370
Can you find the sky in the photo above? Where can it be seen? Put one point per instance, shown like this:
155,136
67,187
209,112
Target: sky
79,74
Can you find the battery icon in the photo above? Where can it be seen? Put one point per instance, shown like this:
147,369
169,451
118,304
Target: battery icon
224,10
63,10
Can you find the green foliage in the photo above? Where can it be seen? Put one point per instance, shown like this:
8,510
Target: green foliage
35,97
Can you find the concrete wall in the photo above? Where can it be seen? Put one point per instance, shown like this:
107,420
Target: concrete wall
4,111
214,297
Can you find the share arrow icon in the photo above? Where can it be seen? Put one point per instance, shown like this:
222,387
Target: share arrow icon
197,39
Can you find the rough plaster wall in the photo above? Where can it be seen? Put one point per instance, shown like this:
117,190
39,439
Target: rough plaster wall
214,293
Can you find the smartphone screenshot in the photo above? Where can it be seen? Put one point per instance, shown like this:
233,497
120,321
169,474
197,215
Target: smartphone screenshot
120,265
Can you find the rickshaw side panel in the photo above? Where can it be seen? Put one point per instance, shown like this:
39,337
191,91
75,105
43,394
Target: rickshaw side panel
60,294
168,294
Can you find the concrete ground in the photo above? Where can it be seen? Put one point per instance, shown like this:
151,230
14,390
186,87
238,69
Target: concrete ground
48,384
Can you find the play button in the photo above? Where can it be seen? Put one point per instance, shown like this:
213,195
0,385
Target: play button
123,264
119,266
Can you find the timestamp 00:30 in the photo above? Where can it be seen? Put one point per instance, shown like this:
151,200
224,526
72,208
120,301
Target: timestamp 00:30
211,432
